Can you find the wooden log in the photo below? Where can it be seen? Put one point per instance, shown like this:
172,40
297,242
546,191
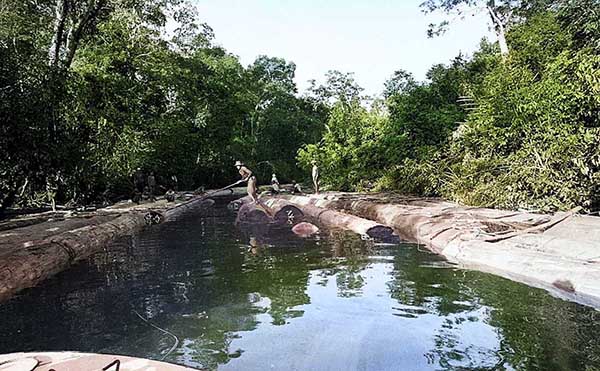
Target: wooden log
252,214
281,214
332,218
39,260
25,266
305,229
44,361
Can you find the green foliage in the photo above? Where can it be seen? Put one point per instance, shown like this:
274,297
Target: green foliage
88,97
81,114
534,141
349,155
527,135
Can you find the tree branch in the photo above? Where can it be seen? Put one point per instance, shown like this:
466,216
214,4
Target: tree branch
76,32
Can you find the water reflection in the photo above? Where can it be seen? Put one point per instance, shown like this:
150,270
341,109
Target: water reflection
238,299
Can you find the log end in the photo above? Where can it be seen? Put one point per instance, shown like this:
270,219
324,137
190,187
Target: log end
305,229
250,214
288,215
381,232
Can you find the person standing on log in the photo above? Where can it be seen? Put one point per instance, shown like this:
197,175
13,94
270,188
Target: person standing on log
315,176
151,186
275,184
174,182
248,177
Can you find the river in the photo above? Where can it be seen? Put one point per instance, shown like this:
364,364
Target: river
251,300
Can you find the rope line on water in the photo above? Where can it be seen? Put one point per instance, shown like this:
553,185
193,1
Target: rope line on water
164,331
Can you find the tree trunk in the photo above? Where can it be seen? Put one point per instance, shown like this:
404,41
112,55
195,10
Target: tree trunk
34,261
62,9
500,31
336,219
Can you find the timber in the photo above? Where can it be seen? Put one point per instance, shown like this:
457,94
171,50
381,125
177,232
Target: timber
281,213
47,361
31,254
560,254
335,219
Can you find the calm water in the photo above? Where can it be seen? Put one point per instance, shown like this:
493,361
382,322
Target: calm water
330,303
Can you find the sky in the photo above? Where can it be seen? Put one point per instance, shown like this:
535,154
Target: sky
371,38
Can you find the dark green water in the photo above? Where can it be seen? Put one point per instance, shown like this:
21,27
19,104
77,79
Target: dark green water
330,303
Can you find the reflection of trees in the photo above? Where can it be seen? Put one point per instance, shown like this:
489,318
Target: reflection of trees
276,276
530,329
540,332
423,280
349,259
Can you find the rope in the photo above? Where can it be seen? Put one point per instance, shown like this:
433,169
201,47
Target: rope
162,330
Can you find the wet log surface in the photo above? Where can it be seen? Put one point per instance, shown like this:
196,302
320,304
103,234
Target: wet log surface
559,253
47,361
282,213
335,219
33,253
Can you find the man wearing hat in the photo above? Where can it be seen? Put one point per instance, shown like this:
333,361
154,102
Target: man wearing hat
247,177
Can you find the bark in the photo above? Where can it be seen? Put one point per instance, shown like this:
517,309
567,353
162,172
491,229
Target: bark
82,361
500,31
77,30
336,219
279,213
34,261
40,260
62,9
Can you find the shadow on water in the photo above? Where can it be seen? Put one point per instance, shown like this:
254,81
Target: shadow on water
249,300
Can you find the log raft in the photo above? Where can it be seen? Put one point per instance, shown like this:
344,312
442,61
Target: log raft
281,211
335,219
560,254
29,256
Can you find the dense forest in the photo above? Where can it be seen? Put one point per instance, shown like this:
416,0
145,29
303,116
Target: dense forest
92,90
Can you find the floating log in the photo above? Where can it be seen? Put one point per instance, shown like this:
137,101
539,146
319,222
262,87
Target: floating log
252,214
332,218
281,214
34,261
45,361
305,229
530,248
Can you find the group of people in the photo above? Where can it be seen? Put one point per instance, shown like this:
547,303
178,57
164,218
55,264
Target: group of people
147,185
276,189
249,178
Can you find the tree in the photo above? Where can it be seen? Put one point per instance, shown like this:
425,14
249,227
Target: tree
338,87
503,14
401,82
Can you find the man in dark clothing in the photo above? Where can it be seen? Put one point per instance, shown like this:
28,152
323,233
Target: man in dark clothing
151,186
138,180
138,185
